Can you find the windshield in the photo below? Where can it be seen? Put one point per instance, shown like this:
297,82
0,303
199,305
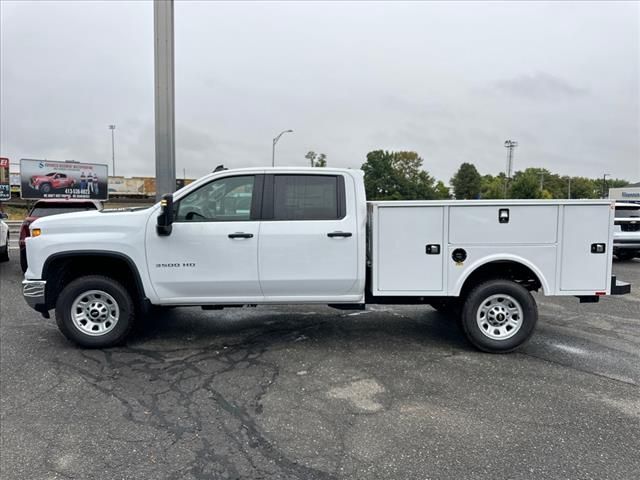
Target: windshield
56,209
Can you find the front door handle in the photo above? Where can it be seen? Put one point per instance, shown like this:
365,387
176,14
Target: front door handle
241,235
339,234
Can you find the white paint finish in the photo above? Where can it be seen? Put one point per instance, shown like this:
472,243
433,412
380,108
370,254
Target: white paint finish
299,259
541,259
4,230
580,269
224,267
402,236
528,224
120,233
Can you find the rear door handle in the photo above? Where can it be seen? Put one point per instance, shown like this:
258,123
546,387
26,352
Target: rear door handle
241,235
339,234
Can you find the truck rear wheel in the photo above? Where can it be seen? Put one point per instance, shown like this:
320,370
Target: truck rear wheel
95,312
499,316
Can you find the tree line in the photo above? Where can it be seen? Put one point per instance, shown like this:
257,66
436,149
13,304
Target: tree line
467,183
400,176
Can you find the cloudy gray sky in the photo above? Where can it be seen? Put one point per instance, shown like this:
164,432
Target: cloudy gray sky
451,81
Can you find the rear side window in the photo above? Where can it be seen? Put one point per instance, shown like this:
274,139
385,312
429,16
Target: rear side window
308,197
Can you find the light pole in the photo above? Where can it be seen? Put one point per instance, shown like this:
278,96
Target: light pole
604,183
510,145
113,149
273,150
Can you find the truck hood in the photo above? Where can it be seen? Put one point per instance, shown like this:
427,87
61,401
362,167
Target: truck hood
94,220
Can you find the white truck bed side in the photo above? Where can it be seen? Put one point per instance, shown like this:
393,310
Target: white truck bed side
553,238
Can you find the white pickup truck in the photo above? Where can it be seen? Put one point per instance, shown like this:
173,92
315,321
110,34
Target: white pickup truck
308,236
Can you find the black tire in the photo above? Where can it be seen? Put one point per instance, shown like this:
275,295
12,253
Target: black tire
4,252
23,259
493,297
45,188
112,288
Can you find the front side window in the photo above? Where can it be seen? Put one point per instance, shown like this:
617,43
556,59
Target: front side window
225,200
306,197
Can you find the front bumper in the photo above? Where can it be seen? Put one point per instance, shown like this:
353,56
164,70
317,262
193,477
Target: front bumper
33,292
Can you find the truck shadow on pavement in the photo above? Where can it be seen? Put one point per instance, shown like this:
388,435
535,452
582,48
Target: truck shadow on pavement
324,326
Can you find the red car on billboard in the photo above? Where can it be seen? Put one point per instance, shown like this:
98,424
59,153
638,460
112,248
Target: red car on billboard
51,181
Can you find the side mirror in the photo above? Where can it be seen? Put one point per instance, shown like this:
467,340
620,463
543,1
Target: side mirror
165,219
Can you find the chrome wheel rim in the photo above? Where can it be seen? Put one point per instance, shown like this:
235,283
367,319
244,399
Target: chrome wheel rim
95,313
499,317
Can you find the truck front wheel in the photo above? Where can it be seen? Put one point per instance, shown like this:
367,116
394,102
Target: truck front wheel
95,312
498,316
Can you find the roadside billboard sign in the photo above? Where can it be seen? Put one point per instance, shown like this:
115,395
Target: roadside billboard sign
48,179
126,186
5,180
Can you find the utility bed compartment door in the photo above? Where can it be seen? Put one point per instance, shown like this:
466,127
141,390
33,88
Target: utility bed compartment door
584,226
402,261
526,224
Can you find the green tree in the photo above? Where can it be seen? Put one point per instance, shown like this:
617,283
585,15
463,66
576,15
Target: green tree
397,176
442,191
466,182
609,183
493,187
526,184
316,160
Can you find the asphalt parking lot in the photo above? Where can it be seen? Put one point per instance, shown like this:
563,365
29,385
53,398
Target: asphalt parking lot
315,393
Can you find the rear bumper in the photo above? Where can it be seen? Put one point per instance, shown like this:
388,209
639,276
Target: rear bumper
619,287
33,292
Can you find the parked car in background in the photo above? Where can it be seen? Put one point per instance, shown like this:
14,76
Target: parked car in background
51,181
46,208
4,238
626,235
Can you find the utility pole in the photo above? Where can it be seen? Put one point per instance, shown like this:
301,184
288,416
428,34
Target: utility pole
541,182
273,150
510,145
113,149
604,184
164,97
569,190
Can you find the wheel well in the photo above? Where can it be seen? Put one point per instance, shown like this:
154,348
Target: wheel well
502,269
61,270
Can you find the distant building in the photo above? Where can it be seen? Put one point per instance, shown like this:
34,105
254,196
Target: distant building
630,193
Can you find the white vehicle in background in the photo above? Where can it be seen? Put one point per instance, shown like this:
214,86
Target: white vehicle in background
308,236
626,233
4,238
